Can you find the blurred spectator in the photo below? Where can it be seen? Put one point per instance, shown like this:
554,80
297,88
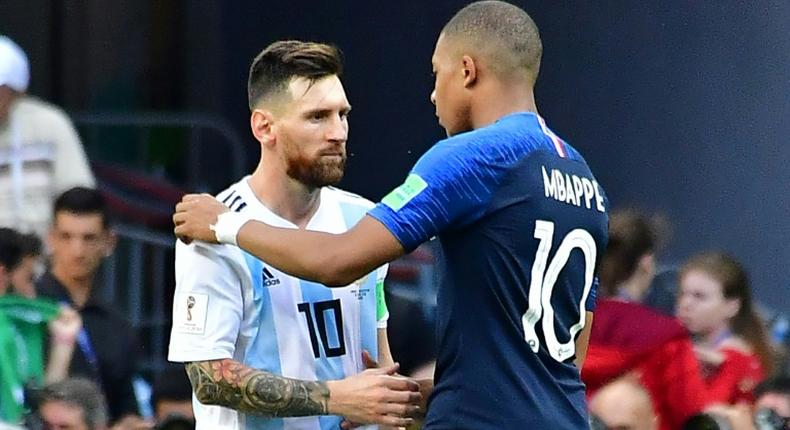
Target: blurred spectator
628,268
629,338
172,400
623,404
730,340
772,404
23,277
23,324
73,404
10,256
40,151
771,410
107,348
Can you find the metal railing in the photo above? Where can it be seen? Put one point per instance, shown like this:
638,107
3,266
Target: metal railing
196,125
134,279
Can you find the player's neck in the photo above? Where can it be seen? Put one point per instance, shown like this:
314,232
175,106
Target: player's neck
287,198
496,100
716,337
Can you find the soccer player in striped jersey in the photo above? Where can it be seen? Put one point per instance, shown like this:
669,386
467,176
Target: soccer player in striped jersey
522,223
264,349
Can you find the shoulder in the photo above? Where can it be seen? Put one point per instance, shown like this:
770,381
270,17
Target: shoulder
236,195
346,198
198,254
41,110
737,346
503,142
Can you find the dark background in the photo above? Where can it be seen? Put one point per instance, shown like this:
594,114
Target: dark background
681,107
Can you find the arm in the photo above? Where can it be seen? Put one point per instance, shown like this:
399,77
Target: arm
373,396
63,332
386,359
385,355
329,259
583,341
451,185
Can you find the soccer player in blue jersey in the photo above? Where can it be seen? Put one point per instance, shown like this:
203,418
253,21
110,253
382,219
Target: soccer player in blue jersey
522,223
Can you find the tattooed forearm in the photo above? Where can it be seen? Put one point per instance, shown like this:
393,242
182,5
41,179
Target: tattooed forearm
231,384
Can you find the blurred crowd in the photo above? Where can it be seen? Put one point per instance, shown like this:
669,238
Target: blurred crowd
670,349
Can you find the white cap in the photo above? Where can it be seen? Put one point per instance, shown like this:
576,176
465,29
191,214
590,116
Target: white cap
14,68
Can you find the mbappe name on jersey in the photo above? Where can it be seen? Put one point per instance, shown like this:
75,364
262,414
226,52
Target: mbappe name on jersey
572,189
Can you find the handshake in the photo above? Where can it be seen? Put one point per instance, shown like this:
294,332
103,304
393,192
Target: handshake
378,395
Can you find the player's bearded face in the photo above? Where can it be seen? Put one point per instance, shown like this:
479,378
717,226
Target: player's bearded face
319,169
313,134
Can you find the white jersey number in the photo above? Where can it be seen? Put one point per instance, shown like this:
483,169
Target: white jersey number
542,285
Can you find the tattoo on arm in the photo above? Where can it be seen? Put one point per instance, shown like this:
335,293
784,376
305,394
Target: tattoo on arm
233,385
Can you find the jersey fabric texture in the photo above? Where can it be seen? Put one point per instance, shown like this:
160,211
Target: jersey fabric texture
522,222
229,304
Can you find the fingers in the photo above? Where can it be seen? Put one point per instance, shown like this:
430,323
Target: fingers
388,370
402,397
368,360
394,421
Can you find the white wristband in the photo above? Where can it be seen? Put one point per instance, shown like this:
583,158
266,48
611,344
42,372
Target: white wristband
227,227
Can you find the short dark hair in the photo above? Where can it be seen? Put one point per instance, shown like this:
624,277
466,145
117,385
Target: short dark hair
503,33
82,393
10,248
273,68
82,201
30,245
776,385
632,234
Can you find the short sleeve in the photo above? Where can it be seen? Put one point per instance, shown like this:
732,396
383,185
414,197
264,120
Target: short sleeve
382,313
450,186
208,303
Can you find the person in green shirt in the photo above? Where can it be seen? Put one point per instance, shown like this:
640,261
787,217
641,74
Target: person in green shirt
24,324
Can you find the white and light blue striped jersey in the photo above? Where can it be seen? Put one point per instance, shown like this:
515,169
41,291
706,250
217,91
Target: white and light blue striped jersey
230,304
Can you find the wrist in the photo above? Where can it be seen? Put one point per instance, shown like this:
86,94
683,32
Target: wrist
332,404
227,227
64,339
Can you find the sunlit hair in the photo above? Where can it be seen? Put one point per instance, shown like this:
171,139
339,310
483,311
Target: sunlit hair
502,33
278,63
735,285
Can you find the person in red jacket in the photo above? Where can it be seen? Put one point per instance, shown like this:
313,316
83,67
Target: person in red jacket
730,340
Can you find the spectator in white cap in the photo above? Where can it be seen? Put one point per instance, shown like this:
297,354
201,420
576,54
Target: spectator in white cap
40,151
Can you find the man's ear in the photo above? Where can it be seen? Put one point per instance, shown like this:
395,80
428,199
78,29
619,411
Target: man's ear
262,124
469,70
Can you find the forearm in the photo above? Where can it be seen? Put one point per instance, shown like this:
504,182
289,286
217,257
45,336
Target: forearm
326,258
60,353
583,341
231,384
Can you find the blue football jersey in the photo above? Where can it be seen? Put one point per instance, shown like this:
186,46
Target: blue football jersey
522,223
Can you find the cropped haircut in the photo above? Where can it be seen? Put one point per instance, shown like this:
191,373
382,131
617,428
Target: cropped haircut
502,33
10,248
82,201
272,70
82,393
